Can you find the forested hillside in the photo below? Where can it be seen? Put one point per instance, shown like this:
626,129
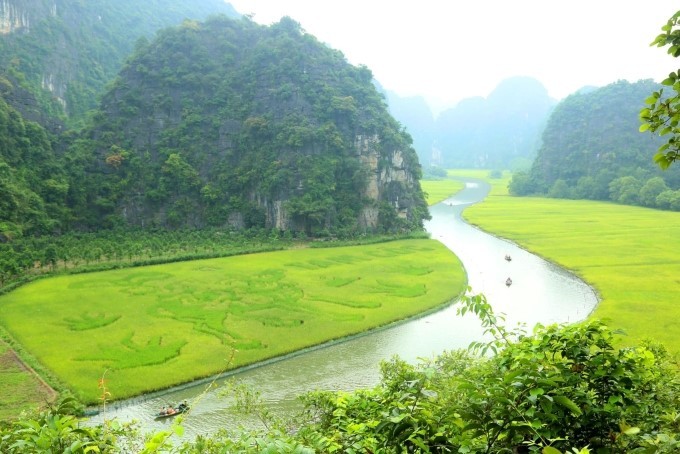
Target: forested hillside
592,149
500,131
249,127
56,57
231,123
32,184
64,52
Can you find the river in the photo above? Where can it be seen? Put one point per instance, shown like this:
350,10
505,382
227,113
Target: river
540,293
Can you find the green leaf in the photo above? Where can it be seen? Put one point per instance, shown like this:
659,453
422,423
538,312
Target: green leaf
644,127
511,375
550,450
662,160
569,404
632,431
178,429
536,391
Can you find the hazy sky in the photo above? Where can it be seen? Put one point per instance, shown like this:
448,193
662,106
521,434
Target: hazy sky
447,50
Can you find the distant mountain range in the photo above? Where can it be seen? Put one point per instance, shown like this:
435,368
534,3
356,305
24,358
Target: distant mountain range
500,131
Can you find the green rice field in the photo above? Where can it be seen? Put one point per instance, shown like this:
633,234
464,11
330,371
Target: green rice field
499,186
438,190
152,327
628,254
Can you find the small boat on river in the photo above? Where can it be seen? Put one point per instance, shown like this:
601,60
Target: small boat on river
508,258
508,282
168,412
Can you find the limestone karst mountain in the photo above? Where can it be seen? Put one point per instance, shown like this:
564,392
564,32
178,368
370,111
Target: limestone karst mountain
228,122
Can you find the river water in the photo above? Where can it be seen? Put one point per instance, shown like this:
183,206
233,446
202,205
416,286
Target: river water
540,293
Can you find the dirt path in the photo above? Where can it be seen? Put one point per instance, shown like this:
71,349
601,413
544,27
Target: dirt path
21,387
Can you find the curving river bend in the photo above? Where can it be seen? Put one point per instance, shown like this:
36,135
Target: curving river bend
540,293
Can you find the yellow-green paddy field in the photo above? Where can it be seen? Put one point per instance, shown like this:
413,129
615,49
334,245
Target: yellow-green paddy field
152,327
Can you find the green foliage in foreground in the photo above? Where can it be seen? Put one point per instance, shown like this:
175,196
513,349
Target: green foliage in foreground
561,389
661,115
558,388
628,254
178,322
438,190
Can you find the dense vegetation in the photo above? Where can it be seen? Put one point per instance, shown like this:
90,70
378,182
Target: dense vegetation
592,149
55,60
33,185
231,123
223,124
65,52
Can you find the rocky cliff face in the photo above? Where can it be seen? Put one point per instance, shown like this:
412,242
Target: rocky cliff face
388,180
383,177
16,16
25,102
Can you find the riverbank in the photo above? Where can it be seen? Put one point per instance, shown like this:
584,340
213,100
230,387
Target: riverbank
439,190
627,254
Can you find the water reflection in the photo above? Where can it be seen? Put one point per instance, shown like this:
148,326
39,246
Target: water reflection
540,292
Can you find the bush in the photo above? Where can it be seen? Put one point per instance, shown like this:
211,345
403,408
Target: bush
564,386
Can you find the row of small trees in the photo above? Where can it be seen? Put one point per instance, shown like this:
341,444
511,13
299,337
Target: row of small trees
652,192
29,256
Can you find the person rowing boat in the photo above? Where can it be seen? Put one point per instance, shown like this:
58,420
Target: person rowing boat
172,411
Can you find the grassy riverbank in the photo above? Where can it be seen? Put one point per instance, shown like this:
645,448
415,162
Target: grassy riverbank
439,190
628,254
157,326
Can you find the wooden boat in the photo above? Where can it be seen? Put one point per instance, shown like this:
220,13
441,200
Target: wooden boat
508,258
172,411
508,282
